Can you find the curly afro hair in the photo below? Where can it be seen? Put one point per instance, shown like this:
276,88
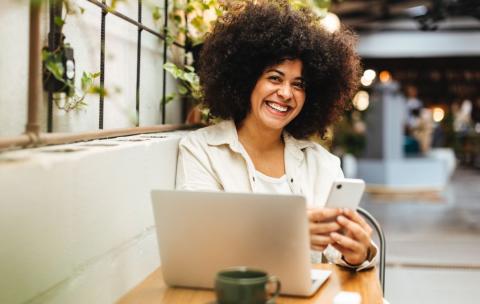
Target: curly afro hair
260,34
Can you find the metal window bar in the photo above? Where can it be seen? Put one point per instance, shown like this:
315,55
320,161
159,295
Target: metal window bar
139,50
106,10
164,80
53,42
102,67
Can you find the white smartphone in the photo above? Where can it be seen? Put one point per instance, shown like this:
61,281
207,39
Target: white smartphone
345,193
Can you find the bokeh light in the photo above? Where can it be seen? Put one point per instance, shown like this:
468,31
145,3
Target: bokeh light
438,114
331,22
370,74
385,76
366,82
361,100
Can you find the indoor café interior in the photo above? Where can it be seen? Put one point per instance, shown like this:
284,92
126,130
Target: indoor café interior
239,151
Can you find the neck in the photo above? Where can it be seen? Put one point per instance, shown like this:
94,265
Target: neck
261,139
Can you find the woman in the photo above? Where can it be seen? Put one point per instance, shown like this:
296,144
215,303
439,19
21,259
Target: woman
276,78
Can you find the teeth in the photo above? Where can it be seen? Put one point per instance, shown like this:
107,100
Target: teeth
277,107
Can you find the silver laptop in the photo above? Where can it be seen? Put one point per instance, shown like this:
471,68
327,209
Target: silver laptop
200,233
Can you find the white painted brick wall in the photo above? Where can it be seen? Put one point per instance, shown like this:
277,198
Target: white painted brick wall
78,227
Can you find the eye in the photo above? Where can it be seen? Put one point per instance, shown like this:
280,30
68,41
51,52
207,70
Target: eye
274,78
299,85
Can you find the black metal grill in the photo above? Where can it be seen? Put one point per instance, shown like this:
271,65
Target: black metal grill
106,11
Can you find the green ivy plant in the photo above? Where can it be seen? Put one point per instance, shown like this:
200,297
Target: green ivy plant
74,98
189,82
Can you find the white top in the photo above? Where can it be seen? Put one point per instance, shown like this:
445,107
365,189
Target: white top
268,184
213,159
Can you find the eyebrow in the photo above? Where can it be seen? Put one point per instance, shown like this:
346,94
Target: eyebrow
282,73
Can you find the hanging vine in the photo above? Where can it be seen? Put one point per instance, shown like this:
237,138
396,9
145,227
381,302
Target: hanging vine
68,96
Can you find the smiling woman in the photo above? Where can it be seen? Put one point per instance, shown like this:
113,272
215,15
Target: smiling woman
252,37
277,97
276,77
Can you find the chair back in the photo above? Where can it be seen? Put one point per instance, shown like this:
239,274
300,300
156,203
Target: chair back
381,237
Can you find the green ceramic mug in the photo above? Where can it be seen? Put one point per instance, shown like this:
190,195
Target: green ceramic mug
242,285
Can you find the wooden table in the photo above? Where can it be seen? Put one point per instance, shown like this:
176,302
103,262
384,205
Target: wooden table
154,290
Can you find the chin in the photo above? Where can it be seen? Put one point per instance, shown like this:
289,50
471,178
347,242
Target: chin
275,124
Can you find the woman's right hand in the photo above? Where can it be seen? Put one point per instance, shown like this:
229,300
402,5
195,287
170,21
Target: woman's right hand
322,222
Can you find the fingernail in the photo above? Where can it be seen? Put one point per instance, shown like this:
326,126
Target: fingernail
341,218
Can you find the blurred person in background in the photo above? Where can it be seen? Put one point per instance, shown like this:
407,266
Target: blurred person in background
419,123
462,117
413,106
476,115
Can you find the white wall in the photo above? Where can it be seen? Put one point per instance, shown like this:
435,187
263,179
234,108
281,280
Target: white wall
83,33
13,66
78,227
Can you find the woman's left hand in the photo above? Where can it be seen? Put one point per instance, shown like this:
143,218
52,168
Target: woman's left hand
355,241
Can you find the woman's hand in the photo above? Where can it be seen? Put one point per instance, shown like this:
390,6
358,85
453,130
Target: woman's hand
322,222
355,240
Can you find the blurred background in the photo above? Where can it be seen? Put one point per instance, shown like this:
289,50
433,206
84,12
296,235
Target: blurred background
414,135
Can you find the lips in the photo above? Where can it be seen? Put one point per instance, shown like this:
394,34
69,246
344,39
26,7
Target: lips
277,107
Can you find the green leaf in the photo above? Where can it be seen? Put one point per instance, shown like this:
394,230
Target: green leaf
298,4
199,23
59,21
56,68
177,18
173,70
169,38
190,8
98,90
86,81
189,68
36,2
182,90
45,54
156,13
168,98
170,67
113,5
324,4
190,77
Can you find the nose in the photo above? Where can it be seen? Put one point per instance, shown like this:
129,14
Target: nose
285,91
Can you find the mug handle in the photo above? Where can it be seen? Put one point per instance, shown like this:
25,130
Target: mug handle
274,295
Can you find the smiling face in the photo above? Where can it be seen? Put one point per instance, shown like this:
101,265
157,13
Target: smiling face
278,96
